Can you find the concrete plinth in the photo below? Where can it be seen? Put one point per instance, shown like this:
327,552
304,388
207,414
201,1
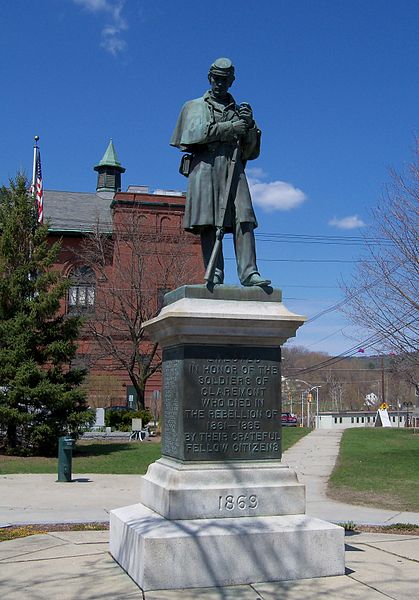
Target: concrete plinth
166,554
219,508
176,490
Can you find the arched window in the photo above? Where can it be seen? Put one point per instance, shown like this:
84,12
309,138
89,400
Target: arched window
164,224
81,294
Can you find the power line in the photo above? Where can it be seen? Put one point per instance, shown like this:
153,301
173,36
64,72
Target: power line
87,227
268,237
305,260
372,340
325,338
290,238
320,287
322,239
348,298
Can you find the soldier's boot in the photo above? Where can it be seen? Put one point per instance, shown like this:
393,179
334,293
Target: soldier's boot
256,279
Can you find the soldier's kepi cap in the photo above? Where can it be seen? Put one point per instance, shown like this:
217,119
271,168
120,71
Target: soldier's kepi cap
222,66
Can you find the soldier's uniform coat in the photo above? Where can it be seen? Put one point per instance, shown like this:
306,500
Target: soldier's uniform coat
204,129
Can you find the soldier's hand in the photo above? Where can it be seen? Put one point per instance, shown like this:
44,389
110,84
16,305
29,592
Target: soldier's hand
240,127
246,113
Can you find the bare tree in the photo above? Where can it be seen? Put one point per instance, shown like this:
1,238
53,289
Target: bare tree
134,267
335,390
384,296
345,381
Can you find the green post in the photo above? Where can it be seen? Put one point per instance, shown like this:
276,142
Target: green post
65,456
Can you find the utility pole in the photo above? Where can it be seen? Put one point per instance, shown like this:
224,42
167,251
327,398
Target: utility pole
302,409
309,397
383,395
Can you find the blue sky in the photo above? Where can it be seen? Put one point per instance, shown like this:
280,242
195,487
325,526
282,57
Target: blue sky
333,85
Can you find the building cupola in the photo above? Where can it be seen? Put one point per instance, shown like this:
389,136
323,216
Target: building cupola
109,171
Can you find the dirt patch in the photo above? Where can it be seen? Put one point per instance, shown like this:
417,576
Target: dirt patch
18,531
363,498
108,440
11,458
398,528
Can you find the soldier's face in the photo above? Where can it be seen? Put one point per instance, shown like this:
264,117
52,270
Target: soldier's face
219,85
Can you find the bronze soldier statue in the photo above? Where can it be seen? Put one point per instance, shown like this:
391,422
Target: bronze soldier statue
219,137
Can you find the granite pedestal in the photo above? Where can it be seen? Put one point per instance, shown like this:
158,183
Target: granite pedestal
219,508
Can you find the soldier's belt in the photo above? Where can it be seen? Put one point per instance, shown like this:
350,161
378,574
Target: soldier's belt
216,146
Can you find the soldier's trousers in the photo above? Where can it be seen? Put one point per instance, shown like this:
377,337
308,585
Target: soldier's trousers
244,247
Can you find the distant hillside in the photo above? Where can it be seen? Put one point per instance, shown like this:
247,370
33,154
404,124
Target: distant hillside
346,381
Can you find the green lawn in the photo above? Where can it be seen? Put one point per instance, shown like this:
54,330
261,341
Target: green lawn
291,435
91,457
378,467
110,457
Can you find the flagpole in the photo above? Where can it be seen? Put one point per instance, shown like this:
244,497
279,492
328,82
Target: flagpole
35,152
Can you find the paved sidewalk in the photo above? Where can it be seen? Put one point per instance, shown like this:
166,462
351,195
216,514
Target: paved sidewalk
77,566
41,499
313,458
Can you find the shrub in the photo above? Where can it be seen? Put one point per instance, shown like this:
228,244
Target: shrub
121,420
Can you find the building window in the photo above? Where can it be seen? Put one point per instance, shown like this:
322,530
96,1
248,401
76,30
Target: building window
82,292
165,224
340,419
336,419
362,420
352,420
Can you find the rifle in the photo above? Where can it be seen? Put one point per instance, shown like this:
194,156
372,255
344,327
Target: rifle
209,273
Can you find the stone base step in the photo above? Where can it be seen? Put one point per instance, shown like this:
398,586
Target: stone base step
161,554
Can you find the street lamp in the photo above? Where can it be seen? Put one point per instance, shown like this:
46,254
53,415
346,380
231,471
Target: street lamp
316,387
307,390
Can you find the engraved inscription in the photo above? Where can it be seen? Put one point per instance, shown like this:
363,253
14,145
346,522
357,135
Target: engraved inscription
221,403
171,439
242,502
233,404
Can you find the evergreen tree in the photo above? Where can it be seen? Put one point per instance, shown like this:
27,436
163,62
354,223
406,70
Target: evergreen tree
40,396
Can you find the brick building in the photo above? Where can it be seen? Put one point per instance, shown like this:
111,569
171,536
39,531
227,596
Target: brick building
122,251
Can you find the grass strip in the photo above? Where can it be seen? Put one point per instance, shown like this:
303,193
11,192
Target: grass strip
395,528
19,531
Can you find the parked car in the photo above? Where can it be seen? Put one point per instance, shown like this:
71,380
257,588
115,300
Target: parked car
288,420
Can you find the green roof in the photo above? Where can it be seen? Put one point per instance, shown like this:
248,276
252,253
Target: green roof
110,158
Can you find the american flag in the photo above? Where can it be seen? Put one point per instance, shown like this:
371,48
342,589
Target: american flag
39,192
